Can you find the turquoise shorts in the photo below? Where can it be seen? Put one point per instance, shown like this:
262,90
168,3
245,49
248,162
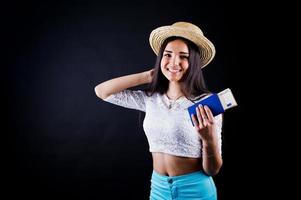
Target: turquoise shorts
191,186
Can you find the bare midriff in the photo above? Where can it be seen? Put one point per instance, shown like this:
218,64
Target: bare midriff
170,165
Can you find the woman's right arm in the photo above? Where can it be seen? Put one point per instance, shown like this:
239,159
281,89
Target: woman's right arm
105,89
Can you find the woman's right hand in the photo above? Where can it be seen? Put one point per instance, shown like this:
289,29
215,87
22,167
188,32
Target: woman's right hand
149,75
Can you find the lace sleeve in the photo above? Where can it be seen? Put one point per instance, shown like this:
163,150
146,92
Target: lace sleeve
219,125
128,99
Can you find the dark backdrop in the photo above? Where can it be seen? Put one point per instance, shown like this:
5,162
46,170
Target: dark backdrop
64,142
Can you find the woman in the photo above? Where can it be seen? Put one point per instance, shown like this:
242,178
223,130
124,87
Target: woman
185,156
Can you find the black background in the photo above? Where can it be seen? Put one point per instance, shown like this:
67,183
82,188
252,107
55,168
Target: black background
64,142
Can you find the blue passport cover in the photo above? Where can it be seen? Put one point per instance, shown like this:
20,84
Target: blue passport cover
213,102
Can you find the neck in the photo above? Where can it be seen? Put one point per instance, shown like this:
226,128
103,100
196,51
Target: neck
174,90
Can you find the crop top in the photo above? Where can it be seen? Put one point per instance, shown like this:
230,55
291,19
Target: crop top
167,123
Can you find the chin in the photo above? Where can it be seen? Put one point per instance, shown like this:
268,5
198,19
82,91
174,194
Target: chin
174,79
172,76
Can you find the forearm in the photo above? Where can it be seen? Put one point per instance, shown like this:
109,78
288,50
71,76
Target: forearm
115,85
212,160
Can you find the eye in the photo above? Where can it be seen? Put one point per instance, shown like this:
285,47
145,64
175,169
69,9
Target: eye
184,57
167,55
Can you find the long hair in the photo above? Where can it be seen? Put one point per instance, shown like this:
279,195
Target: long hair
192,83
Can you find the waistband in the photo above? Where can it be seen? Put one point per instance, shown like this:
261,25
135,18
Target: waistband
184,177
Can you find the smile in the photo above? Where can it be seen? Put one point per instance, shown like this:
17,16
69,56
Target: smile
174,70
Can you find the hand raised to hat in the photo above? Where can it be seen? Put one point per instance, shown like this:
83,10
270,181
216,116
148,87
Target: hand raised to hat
149,75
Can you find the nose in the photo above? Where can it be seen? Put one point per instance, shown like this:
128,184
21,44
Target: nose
175,62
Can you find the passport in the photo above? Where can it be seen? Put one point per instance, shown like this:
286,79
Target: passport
217,102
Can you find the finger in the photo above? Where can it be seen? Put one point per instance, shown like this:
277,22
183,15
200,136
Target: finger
195,122
199,117
209,114
204,115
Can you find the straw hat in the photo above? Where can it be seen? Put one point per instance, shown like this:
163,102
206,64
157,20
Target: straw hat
185,30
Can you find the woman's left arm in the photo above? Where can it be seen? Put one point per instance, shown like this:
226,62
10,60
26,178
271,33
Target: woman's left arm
212,159
206,127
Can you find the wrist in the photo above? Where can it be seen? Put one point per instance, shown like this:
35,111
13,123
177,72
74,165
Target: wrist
143,78
147,78
209,149
209,144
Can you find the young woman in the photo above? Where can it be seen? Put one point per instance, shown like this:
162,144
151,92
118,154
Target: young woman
185,156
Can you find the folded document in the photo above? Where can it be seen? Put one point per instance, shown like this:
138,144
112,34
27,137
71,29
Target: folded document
218,103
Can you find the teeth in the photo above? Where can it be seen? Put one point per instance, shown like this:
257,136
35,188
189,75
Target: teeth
174,70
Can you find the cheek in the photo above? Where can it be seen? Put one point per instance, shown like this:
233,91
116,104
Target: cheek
186,66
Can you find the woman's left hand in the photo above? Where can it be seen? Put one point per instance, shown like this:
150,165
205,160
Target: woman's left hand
204,123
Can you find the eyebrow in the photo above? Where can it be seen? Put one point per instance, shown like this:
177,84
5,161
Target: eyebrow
180,52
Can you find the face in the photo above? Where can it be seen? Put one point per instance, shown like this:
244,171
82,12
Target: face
174,63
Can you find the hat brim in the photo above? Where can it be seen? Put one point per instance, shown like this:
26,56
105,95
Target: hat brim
206,48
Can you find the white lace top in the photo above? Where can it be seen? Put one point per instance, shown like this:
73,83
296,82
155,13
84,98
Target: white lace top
167,123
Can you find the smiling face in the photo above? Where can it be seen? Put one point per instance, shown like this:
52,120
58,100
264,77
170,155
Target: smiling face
174,62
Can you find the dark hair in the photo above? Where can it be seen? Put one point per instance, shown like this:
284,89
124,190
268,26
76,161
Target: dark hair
192,83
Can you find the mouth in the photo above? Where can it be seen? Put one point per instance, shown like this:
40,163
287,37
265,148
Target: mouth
174,71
